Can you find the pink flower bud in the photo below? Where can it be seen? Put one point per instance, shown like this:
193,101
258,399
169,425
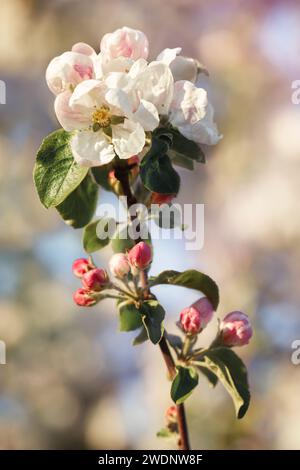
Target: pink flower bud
235,329
125,42
83,298
157,198
140,256
95,279
119,265
171,414
81,266
194,319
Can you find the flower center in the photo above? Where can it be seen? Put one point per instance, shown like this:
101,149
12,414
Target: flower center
102,116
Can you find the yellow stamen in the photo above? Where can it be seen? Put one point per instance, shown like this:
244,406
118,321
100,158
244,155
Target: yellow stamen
102,116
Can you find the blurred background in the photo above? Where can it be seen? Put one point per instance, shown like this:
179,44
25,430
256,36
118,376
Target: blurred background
71,380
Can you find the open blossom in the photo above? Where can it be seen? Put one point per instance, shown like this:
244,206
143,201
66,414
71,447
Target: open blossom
182,68
70,68
194,319
107,121
125,42
192,114
83,298
235,329
81,266
119,265
140,256
95,279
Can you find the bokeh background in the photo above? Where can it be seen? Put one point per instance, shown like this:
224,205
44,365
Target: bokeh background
71,380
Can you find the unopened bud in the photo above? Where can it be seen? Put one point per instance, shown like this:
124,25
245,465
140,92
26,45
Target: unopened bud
95,279
83,298
119,265
140,256
235,329
81,266
194,319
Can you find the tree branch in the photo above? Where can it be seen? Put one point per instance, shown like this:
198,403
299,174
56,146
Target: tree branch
121,174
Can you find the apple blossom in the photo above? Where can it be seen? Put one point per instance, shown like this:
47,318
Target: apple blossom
192,114
140,256
194,319
95,279
81,266
119,265
106,122
125,42
235,329
70,68
83,298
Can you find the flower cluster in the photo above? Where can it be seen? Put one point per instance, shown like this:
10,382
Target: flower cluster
113,99
235,328
122,266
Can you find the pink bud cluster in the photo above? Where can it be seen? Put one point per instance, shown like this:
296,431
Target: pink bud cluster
93,280
137,259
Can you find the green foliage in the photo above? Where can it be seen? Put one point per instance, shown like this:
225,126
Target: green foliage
156,171
192,279
78,208
232,373
182,151
129,315
91,240
183,384
56,174
141,337
100,174
153,315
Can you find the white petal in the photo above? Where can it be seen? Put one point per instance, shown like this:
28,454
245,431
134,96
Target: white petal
128,139
204,131
119,64
119,102
70,119
91,148
68,69
84,48
88,95
156,85
138,67
188,104
168,55
184,68
147,115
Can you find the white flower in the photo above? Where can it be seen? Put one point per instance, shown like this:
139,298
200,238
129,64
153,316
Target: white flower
192,114
125,42
105,120
70,68
182,68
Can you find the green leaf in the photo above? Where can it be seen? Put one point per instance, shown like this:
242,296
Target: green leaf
141,337
193,280
91,240
174,340
130,317
121,242
78,208
56,174
183,384
153,315
181,145
181,160
100,174
156,171
165,433
211,377
232,372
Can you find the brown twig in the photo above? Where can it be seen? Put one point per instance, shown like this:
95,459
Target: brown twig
121,173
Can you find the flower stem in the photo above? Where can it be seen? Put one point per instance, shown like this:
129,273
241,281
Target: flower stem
121,174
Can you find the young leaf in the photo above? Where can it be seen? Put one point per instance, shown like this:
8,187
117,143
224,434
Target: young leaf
56,174
183,384
130,317
181,145
232,372
100,174
91,240
121,241
156,171
141,337
152,316
181,160
78,208
192,279
211,377
165,433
